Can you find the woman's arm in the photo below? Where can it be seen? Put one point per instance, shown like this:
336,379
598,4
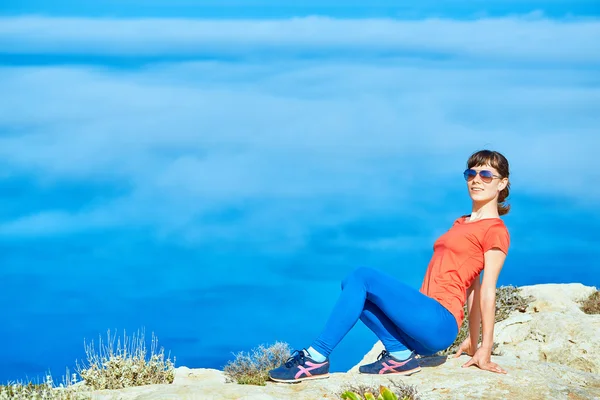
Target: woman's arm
469,345
474,312
494,260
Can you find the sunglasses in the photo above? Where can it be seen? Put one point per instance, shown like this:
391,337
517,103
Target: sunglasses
486,176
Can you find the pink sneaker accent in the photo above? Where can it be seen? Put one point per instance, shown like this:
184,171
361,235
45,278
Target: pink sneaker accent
393,365
307,370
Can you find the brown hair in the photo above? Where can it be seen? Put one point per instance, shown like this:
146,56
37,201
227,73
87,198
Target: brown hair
500,163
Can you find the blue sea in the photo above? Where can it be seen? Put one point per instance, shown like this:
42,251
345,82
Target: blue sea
206,302
212,181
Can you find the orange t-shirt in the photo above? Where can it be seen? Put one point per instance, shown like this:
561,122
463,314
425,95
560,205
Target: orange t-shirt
458,259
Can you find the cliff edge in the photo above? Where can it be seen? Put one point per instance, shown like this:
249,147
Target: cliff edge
551,351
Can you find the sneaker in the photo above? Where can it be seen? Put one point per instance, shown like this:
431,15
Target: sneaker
388,364
300,367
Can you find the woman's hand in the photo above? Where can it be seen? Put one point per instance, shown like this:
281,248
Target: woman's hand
466,347
483,359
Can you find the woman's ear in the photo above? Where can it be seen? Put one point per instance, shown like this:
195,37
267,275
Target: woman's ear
502,184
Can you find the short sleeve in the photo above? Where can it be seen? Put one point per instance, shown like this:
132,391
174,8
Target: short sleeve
497,236
459,220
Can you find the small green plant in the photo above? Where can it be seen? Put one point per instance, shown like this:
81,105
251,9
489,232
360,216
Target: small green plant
252,368
384,394
591,305
508,299
396,390
124,363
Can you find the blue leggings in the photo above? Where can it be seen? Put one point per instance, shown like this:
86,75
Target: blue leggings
401,316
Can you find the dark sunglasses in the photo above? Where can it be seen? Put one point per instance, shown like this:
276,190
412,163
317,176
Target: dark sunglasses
486,176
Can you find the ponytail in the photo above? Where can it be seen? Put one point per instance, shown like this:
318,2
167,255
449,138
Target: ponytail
503,207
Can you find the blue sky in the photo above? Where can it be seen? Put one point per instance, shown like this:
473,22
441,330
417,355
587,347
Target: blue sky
191,168
282,9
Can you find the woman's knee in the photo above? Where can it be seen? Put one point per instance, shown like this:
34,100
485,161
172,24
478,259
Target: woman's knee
360,273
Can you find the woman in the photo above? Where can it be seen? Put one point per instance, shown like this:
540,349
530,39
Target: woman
412,322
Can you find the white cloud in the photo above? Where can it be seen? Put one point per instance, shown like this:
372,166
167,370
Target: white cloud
292,140
526,38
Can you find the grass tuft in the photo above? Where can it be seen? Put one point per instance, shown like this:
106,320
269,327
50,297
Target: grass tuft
508,299
46,390
252,368
591,305
118,364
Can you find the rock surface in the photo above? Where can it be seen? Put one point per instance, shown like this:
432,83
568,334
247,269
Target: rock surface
440,378
550,352
553,328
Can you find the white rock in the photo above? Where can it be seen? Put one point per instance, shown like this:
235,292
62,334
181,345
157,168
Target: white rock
440,378
553,329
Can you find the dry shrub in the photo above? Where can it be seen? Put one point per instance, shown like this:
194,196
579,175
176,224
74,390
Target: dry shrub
116,365
399,388
45,390
253,368
591,305
119,364
508,299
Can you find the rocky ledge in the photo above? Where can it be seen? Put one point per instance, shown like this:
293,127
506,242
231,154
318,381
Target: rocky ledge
551,351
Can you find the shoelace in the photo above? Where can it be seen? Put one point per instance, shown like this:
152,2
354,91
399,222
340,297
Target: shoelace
297,358
385,354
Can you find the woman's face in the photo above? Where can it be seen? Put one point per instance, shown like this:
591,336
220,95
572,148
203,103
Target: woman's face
486,184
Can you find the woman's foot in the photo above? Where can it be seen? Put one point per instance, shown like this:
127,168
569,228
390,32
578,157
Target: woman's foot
388,364
300,367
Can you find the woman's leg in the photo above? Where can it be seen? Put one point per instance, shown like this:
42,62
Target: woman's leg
417,316
392,338
402,315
